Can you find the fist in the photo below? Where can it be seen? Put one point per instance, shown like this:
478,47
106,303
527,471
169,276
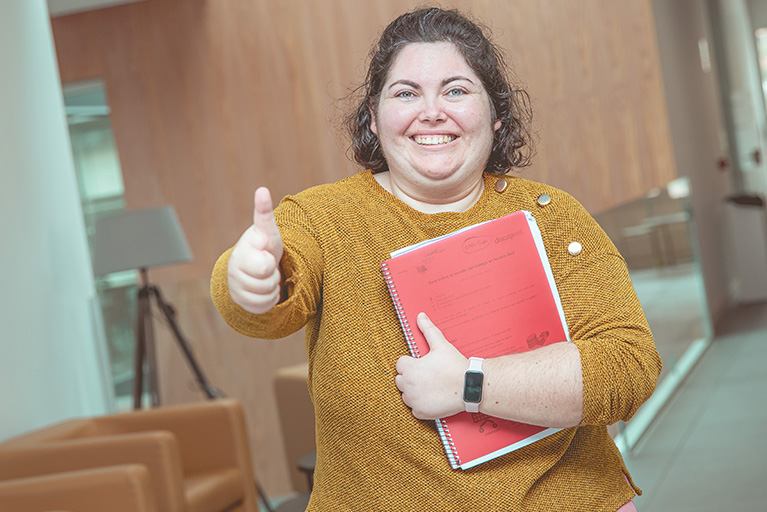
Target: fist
432,385
253,274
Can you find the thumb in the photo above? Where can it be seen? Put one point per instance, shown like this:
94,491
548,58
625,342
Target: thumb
264,223
431,332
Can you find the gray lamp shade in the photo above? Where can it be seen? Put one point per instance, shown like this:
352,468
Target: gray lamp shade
138,239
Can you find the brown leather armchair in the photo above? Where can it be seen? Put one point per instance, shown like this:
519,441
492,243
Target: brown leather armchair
196,455
296,413
124,488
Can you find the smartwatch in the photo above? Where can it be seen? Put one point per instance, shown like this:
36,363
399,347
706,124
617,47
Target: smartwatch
472,384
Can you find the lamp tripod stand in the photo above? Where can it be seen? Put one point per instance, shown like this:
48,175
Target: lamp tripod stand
146,355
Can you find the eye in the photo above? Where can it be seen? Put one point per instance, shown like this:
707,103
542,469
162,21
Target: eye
405,95
456,92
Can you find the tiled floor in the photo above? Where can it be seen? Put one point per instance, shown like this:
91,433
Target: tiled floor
707,451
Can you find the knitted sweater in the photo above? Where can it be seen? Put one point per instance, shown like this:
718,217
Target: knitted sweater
372,454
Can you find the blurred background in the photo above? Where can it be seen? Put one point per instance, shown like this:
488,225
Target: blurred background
650,112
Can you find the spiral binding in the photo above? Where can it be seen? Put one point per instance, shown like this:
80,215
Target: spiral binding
447,442
400,311
444,432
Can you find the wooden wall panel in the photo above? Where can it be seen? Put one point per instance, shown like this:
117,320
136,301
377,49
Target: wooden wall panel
212,98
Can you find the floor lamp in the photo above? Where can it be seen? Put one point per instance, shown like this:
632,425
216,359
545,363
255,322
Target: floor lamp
144,239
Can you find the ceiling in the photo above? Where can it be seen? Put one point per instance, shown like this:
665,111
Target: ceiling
62,7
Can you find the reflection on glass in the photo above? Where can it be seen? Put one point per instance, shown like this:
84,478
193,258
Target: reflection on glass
100,181
761,52
655,236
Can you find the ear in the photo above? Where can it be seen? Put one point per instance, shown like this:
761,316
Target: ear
373,122
372,118
496,125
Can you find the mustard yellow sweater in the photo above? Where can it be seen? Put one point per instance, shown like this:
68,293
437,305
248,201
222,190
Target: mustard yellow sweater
372,454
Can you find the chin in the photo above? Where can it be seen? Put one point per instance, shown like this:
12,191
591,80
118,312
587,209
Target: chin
438,175
444,172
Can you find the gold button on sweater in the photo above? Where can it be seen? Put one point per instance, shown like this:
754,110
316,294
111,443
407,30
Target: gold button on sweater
372,454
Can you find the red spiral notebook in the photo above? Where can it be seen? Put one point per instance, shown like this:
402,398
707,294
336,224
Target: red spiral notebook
490,290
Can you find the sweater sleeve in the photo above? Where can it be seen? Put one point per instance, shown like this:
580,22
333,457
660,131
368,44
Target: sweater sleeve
619,361
618,357
301,267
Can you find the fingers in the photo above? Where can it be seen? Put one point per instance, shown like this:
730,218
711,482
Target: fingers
399,381
430,385
267,234
263,205
259,283
403,363
403,382
256,303
431,332
254,277
254,263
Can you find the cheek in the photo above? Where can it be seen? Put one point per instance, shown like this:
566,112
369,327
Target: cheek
476,125
394,122
470,116
484,123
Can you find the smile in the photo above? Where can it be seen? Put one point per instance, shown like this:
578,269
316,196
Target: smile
433,140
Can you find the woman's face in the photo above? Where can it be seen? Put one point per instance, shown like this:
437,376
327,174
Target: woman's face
433,118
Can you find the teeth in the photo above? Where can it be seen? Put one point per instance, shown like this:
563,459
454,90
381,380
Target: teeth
431,140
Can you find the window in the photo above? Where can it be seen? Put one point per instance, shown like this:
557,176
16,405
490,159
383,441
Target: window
100,181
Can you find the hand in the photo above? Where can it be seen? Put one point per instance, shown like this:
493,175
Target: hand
253,274
432,385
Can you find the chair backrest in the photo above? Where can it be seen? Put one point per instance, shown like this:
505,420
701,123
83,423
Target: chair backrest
124,488
195,452
67,429
296,413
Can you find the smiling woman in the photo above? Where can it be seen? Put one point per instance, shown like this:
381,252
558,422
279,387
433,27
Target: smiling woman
434,122
438,127
512,145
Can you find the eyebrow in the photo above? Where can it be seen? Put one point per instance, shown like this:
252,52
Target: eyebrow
446,81
457,77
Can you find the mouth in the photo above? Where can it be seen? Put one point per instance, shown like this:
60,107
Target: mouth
433,140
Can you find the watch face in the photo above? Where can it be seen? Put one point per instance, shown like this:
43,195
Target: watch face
472,387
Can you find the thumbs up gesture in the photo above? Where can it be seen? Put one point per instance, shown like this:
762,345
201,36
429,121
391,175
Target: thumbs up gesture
253,275
432,385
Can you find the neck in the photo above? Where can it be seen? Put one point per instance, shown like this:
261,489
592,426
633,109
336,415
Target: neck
434,199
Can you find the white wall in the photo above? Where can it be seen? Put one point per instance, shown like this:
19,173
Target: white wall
744,94
697,133
758,11
50,354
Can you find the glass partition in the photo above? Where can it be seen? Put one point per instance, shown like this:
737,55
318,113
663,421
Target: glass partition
99,178
655,235
761,50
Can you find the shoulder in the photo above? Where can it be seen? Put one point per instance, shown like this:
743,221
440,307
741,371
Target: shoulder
347,196
331,213
325,201
564,222
339,191
550,199
552,207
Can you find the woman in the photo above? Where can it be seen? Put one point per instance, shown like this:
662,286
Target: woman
438,128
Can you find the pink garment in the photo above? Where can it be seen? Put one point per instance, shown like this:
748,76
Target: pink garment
628,507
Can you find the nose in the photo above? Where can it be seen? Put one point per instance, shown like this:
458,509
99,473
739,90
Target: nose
432,110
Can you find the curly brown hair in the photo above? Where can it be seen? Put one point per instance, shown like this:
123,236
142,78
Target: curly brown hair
512,144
